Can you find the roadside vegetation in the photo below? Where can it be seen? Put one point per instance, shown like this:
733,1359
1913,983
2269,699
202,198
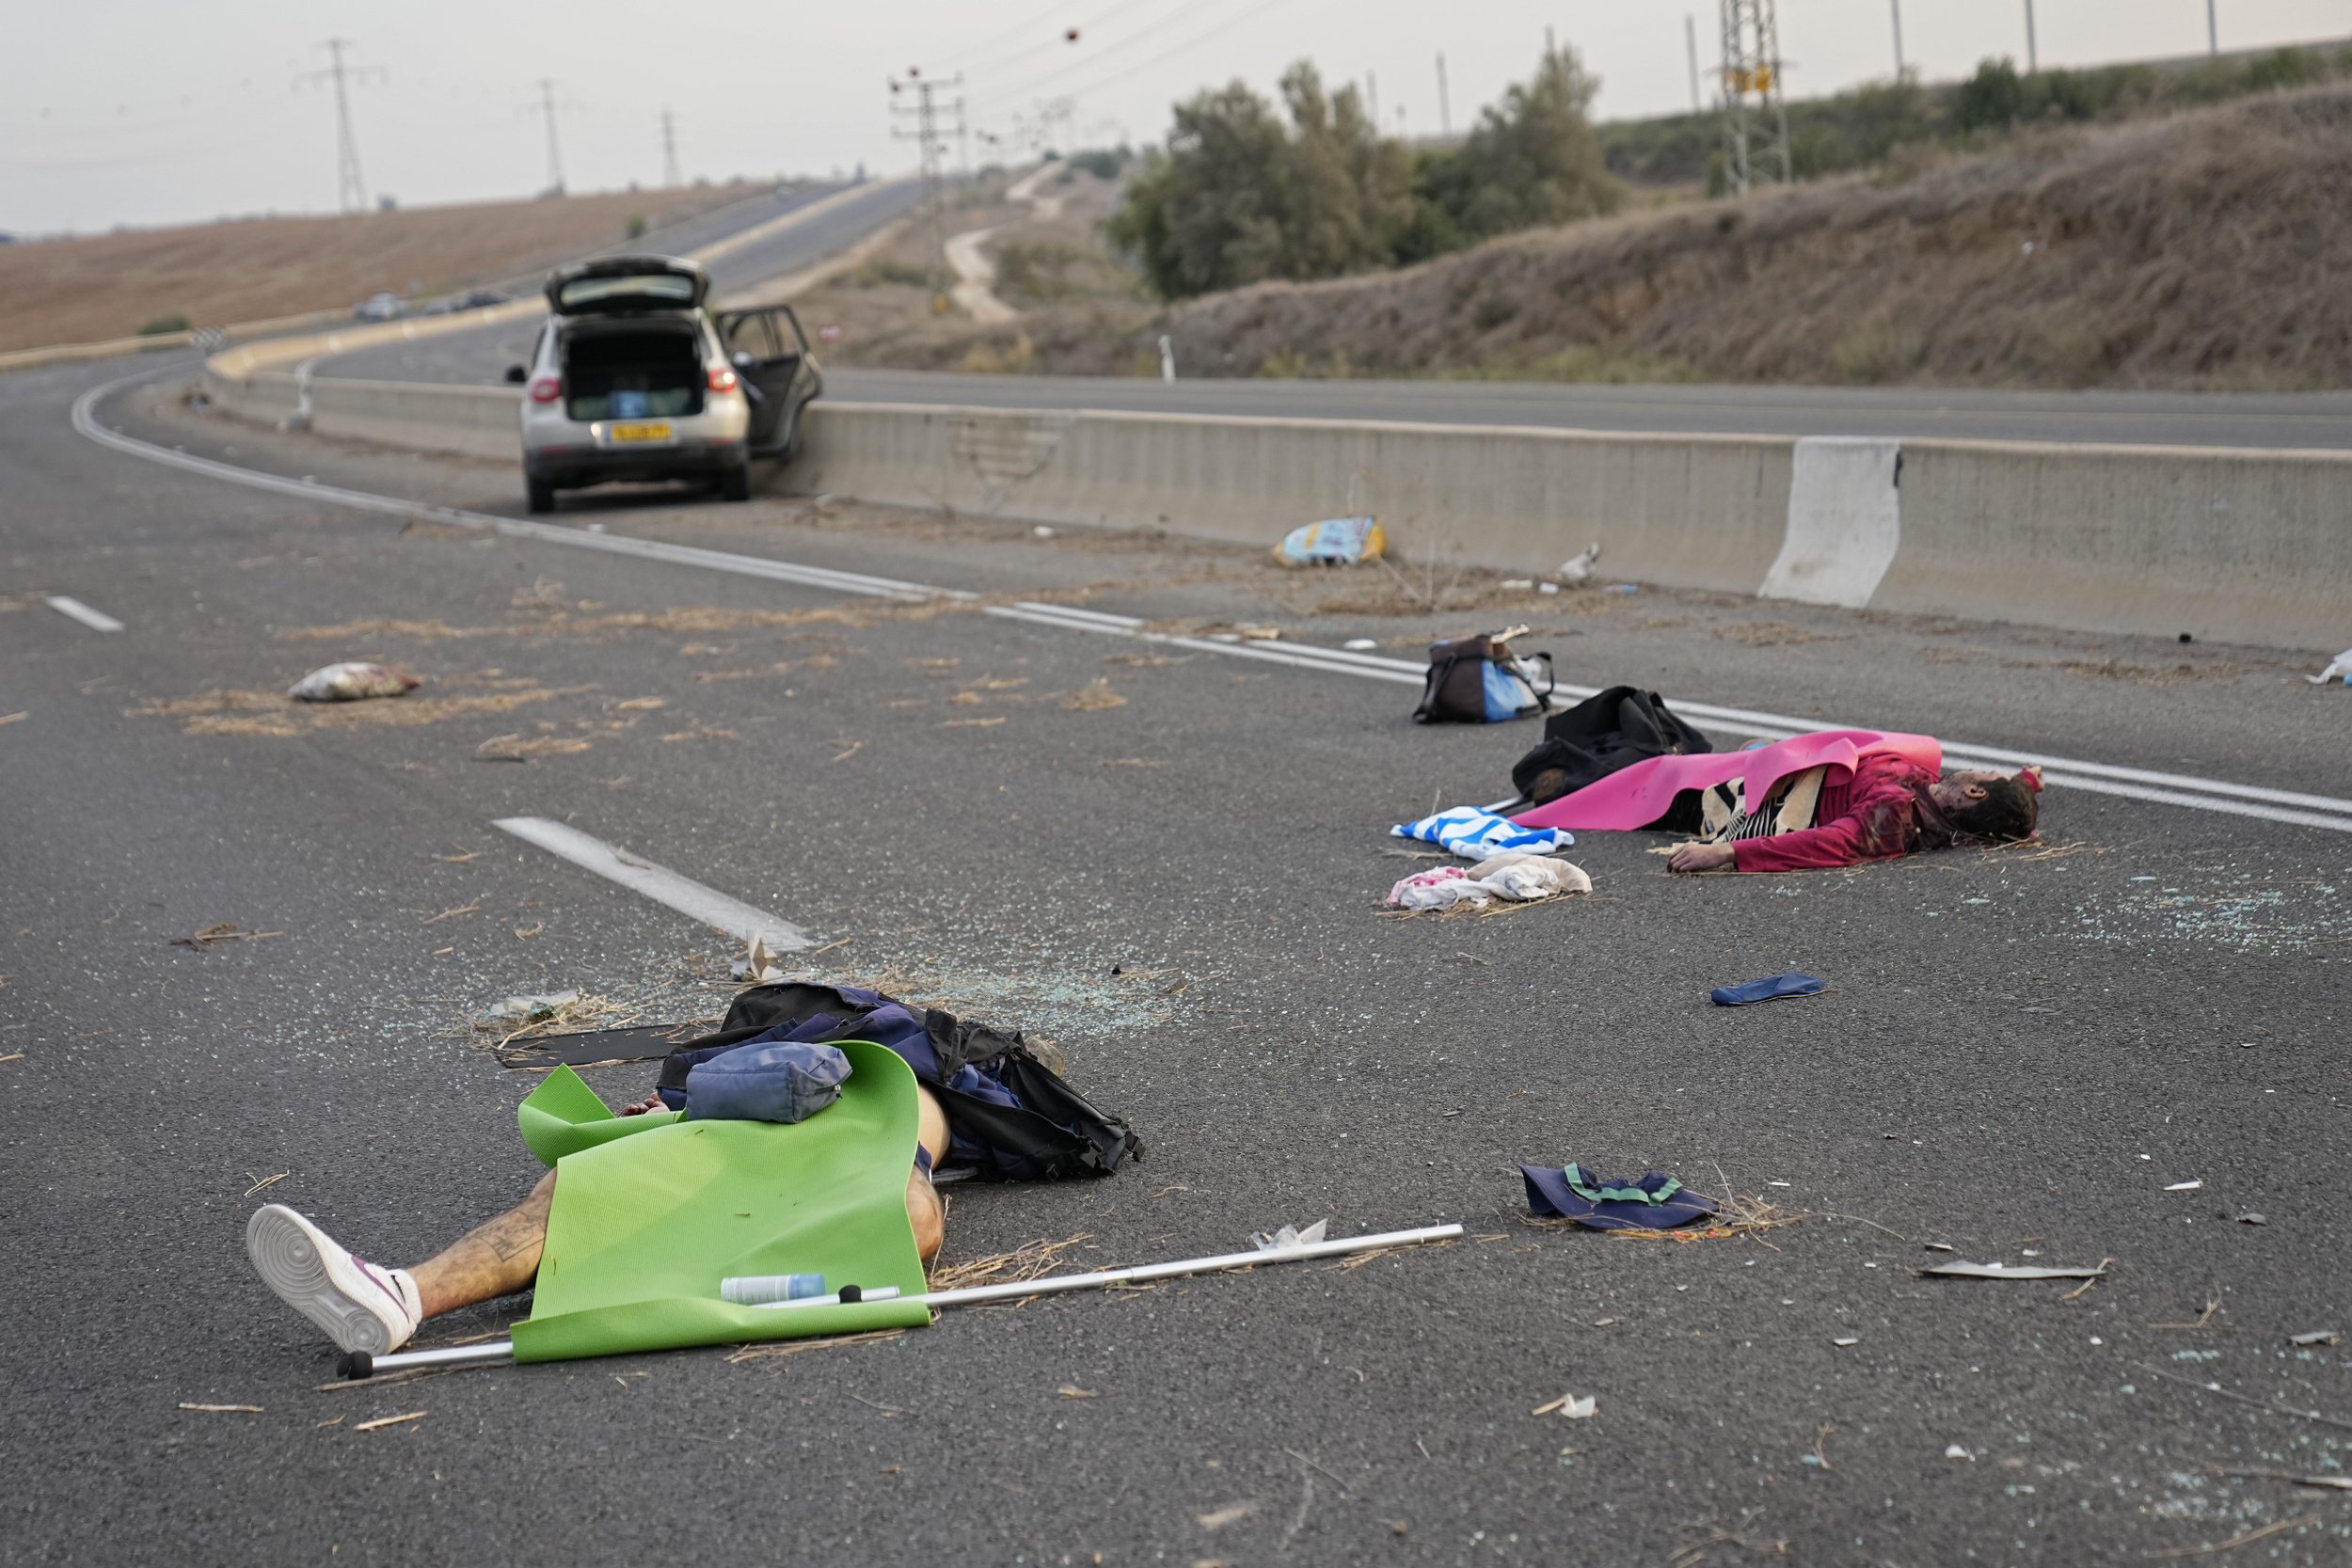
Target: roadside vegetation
2192,250
1245,193
1865,127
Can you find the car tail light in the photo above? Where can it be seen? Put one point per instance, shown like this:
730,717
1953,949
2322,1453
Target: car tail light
724,379
546,389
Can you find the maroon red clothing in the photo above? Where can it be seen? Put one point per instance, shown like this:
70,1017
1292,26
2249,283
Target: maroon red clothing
1868,815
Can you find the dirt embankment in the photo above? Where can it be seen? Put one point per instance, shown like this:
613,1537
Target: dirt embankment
112,285
2208,250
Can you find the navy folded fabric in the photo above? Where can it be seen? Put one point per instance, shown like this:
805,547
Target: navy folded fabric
775,1082
1656,1202
1767,988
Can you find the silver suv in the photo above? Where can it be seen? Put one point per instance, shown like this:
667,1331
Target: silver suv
633,379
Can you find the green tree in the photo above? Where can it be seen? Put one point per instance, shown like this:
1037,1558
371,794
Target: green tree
1533,160
1240,196
1991,99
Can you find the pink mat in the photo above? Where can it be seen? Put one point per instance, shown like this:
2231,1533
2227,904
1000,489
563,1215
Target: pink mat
1637,796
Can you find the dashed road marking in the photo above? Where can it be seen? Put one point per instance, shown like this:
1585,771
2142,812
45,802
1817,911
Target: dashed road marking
658,882
74,608
2216,795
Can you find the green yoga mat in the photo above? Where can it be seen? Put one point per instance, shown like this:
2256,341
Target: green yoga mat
652,1211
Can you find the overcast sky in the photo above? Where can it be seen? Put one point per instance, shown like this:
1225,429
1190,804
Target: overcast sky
161,111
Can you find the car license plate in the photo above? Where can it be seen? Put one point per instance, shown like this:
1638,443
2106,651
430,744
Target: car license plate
656,431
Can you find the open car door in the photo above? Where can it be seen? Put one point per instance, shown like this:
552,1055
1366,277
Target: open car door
770,354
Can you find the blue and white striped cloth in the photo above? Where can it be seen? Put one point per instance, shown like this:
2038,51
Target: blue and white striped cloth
1477,835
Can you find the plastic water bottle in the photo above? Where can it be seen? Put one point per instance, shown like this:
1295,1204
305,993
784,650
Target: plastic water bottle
757,1290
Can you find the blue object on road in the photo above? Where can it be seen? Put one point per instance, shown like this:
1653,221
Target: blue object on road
776,1082
1476,836
1656,1202
1769,989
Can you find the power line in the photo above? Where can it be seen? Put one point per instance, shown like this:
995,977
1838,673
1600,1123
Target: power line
1755,143
1250,11
350,190
925,112
1038,79
555,153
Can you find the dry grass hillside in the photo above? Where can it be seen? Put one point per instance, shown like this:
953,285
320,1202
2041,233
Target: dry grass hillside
111,285
2210,250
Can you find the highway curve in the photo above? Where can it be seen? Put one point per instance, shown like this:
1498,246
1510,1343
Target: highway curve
2122,1046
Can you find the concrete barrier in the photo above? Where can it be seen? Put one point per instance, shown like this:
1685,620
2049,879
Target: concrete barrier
2229,544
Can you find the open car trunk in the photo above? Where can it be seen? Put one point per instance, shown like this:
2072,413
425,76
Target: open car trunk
632,370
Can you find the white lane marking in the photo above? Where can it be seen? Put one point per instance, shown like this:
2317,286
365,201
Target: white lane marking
2273,805
75,610
658,882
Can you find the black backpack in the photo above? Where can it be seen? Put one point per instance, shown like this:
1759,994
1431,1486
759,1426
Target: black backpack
1607,731
1047,1132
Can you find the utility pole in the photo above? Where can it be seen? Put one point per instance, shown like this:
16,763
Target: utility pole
1691,42
925,112
1755,118
2033,59
671,176
1551,50
1897,8
350,191
2213,32
1445,111
555,154
1372,100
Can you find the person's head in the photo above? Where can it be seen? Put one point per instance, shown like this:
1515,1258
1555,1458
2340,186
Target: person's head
1987,805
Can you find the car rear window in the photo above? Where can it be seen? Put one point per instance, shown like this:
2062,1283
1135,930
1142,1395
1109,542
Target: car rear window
661,288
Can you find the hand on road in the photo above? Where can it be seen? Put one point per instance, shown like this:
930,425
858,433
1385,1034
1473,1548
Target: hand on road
651,1102
1699,857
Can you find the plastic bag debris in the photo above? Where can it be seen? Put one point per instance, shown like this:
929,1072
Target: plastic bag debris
352,683
1337,542
2008,1271
2317,1336
2186,1186
533,1009
1579,568
1359,645
1956,1451
1570,1407
756,966
2339,666
1288,1236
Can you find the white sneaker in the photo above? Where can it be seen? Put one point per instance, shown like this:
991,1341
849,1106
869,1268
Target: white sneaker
362,1307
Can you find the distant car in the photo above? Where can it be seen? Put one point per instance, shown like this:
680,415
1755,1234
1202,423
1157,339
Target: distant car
449,305
381,306
632,379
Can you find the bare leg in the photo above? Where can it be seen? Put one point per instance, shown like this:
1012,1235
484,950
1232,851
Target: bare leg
501,1256
496,1258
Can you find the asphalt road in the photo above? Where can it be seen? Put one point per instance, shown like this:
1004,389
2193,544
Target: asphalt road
2022,1051
481,356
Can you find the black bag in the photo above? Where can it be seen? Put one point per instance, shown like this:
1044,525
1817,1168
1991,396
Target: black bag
1048,1134
1607,731
1478,680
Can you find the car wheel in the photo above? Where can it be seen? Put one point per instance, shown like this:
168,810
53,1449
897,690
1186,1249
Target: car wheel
735,484
538,494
